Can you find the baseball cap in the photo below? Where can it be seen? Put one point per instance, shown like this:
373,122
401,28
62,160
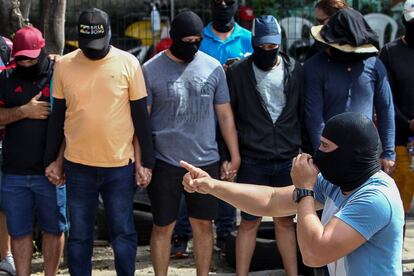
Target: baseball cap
94,29
266,30
28,41
409,10
246,13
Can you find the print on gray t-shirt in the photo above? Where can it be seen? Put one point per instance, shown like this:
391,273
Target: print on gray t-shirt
271,89
182,98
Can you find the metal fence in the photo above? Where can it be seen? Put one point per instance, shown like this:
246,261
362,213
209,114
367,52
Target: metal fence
131,22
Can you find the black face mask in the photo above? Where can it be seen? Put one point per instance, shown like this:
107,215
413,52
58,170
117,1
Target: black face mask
263,59
223,16
357,157
345,57
35,71
96,54
184,50
409,32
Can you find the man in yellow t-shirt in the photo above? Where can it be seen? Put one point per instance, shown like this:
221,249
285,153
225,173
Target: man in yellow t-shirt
99,103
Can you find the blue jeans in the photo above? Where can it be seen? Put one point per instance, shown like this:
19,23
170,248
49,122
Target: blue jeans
25,195
264,172
117,188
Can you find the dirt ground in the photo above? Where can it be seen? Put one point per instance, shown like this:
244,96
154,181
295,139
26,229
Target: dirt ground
103,263
104,266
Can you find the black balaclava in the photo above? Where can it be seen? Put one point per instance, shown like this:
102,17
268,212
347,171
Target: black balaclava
35,71
346,57
223,16
409,32
94,30
96,54
265,60
357,157
185,24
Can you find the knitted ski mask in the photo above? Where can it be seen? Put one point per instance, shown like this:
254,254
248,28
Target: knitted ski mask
357,157
223,15
185,24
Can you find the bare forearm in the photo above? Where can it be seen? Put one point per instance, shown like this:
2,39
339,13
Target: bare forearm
256,200
10,115
310,229
228,130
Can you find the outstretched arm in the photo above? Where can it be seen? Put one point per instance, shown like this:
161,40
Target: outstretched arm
253,199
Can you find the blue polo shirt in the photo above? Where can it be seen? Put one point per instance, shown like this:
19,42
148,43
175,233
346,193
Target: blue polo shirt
238,44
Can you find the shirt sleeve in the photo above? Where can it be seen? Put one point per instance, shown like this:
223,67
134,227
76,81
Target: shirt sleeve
221,95
147,84
321,189
384,56
313,95
249,47
2,89
384,108
58,92
137,89
367,212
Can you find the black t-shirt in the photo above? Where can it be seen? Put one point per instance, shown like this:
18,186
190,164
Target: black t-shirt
25,140
398,58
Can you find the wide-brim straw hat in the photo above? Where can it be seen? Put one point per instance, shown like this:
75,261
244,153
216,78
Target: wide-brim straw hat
366,48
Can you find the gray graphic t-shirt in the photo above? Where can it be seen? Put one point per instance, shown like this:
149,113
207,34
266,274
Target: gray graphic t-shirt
271,88
182,98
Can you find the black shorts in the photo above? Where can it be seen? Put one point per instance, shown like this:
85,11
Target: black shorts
165,193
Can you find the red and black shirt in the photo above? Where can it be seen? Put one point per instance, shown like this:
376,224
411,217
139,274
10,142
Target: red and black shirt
25,140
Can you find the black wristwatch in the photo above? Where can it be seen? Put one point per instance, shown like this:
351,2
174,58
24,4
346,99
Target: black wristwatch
298,194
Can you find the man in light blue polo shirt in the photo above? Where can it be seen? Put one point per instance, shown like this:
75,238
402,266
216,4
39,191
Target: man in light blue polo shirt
226,41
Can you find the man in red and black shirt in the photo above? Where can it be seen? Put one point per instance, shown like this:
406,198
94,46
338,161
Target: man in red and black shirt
7,262
24,110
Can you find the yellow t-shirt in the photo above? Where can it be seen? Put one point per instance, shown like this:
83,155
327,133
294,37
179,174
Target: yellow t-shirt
98,122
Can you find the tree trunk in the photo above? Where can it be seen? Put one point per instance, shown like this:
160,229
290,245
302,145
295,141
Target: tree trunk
25,8
54,25
11,18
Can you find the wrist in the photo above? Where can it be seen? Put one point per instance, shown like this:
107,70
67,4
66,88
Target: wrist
212,185
300,193
235,159
21,111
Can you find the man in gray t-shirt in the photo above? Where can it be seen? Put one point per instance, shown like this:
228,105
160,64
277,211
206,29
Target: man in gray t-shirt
182,97
187,94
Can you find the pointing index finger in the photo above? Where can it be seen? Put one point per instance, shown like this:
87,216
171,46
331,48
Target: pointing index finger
188,167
